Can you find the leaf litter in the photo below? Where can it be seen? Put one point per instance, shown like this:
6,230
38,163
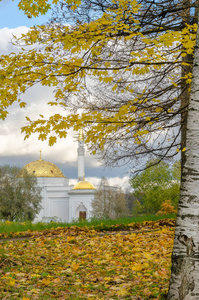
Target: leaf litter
82,263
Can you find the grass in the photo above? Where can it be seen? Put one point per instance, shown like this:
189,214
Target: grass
8,227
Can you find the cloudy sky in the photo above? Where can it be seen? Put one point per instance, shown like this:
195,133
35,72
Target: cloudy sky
14,150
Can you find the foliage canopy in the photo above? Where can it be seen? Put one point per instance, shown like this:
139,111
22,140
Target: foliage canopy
132,51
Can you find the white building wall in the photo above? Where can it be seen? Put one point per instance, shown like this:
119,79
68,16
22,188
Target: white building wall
60,202
80,200
55,199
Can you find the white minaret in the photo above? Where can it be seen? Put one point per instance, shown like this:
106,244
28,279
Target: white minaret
80,152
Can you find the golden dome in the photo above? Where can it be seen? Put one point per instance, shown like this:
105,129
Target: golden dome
84,185
42,168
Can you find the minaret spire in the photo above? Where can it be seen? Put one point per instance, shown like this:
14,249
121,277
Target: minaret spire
81,152
81,135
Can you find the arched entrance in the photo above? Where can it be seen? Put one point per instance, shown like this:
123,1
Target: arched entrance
81,212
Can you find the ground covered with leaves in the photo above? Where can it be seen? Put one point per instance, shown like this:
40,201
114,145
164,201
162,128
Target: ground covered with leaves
83,263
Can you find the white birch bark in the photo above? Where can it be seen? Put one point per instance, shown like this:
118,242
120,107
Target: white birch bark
184,281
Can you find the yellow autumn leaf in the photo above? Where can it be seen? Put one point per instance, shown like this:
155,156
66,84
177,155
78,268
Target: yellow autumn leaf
122,292
46,281
52,140
35,275
22,104
108,279
137,268
74,266
11,282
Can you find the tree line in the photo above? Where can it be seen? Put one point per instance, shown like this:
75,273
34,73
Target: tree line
20,197
151,188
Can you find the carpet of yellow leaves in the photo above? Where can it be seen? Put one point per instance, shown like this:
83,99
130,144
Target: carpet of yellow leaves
76,263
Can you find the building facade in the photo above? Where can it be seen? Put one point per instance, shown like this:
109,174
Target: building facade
60,201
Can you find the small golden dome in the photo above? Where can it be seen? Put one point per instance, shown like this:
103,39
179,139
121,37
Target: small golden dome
41,168
84,185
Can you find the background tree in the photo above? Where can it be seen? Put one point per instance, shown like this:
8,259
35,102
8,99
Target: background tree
109,202
130,198
19,196
167,208
157,183
137,208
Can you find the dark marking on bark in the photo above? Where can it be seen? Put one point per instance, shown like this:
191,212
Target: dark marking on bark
189,171
182,268
188,243
185,287
177,264
189,216
191,198
194,176
187,266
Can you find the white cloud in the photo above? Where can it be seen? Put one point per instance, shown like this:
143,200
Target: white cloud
6,35
117,181
37,97
13,143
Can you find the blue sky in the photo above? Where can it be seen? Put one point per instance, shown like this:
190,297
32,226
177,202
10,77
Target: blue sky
11,16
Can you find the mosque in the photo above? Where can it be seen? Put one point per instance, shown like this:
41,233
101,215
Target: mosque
60,201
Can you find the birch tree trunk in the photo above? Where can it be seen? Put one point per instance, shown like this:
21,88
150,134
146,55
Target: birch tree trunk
184,281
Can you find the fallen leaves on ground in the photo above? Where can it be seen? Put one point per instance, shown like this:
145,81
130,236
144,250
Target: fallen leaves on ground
76,263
